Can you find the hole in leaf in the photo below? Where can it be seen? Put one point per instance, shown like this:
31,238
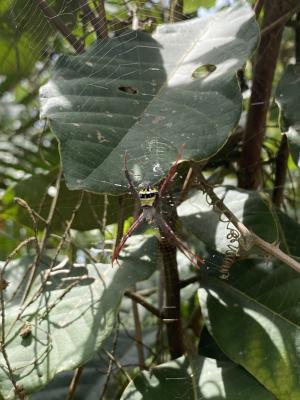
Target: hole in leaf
203,71
128,89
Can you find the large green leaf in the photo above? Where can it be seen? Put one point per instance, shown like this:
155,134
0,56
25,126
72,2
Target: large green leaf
148,95
256,322
87,217
288,100
195,378
94,372
68,327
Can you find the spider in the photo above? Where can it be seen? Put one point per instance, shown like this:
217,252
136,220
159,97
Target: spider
149,198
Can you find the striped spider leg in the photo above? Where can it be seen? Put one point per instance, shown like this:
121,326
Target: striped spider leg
171,236
149,197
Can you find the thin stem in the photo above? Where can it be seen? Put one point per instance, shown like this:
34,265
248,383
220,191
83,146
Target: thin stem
74,383
176,10
258,7
36,261
282,20
138,333
57,22
136,297
110,366
121,220
118,364
280,171
249,238
189,281
186,185
53,262
264,69
95,20
102,19
3,284
172,291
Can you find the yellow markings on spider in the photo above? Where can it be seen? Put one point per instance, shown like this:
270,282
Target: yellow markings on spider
147,196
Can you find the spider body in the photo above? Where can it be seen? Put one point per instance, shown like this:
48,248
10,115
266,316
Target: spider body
149,197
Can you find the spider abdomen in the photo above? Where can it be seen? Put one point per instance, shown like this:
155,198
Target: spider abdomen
148,196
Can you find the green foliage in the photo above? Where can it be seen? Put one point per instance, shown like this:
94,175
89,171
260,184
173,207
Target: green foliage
62,304
92,121
288,99
195,378
251,325
208,226
190,6
24,30
67,324
89,215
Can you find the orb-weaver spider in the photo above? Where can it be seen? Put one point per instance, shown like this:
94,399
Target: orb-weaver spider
149,197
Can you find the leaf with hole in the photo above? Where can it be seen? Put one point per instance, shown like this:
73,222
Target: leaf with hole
138,93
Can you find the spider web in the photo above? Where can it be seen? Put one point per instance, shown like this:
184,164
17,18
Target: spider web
156,149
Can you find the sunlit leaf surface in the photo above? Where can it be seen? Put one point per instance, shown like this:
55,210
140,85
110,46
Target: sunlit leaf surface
67,324
195,378
139,93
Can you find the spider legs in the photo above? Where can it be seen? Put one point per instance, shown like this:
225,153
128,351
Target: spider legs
171,236
122,242
172,171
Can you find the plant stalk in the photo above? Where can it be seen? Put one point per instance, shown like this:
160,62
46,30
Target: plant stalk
263,74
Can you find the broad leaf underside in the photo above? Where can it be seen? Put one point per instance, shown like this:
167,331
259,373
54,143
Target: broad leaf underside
144,94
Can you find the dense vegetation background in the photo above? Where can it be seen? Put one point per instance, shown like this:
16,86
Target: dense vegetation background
83,82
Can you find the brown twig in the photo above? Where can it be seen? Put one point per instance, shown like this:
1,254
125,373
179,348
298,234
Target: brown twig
18,390
282,20
3,285
176,10
58,249
92,18
110,366
258,7
57,22
138,333
281,167
186,185
44,238
189,281
74,383
248,238
121,219
172,292
263,73
31,213
118,364
136,297
102,19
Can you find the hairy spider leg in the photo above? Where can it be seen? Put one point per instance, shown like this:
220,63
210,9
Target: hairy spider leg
122,242
171,236
172,171
133,190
